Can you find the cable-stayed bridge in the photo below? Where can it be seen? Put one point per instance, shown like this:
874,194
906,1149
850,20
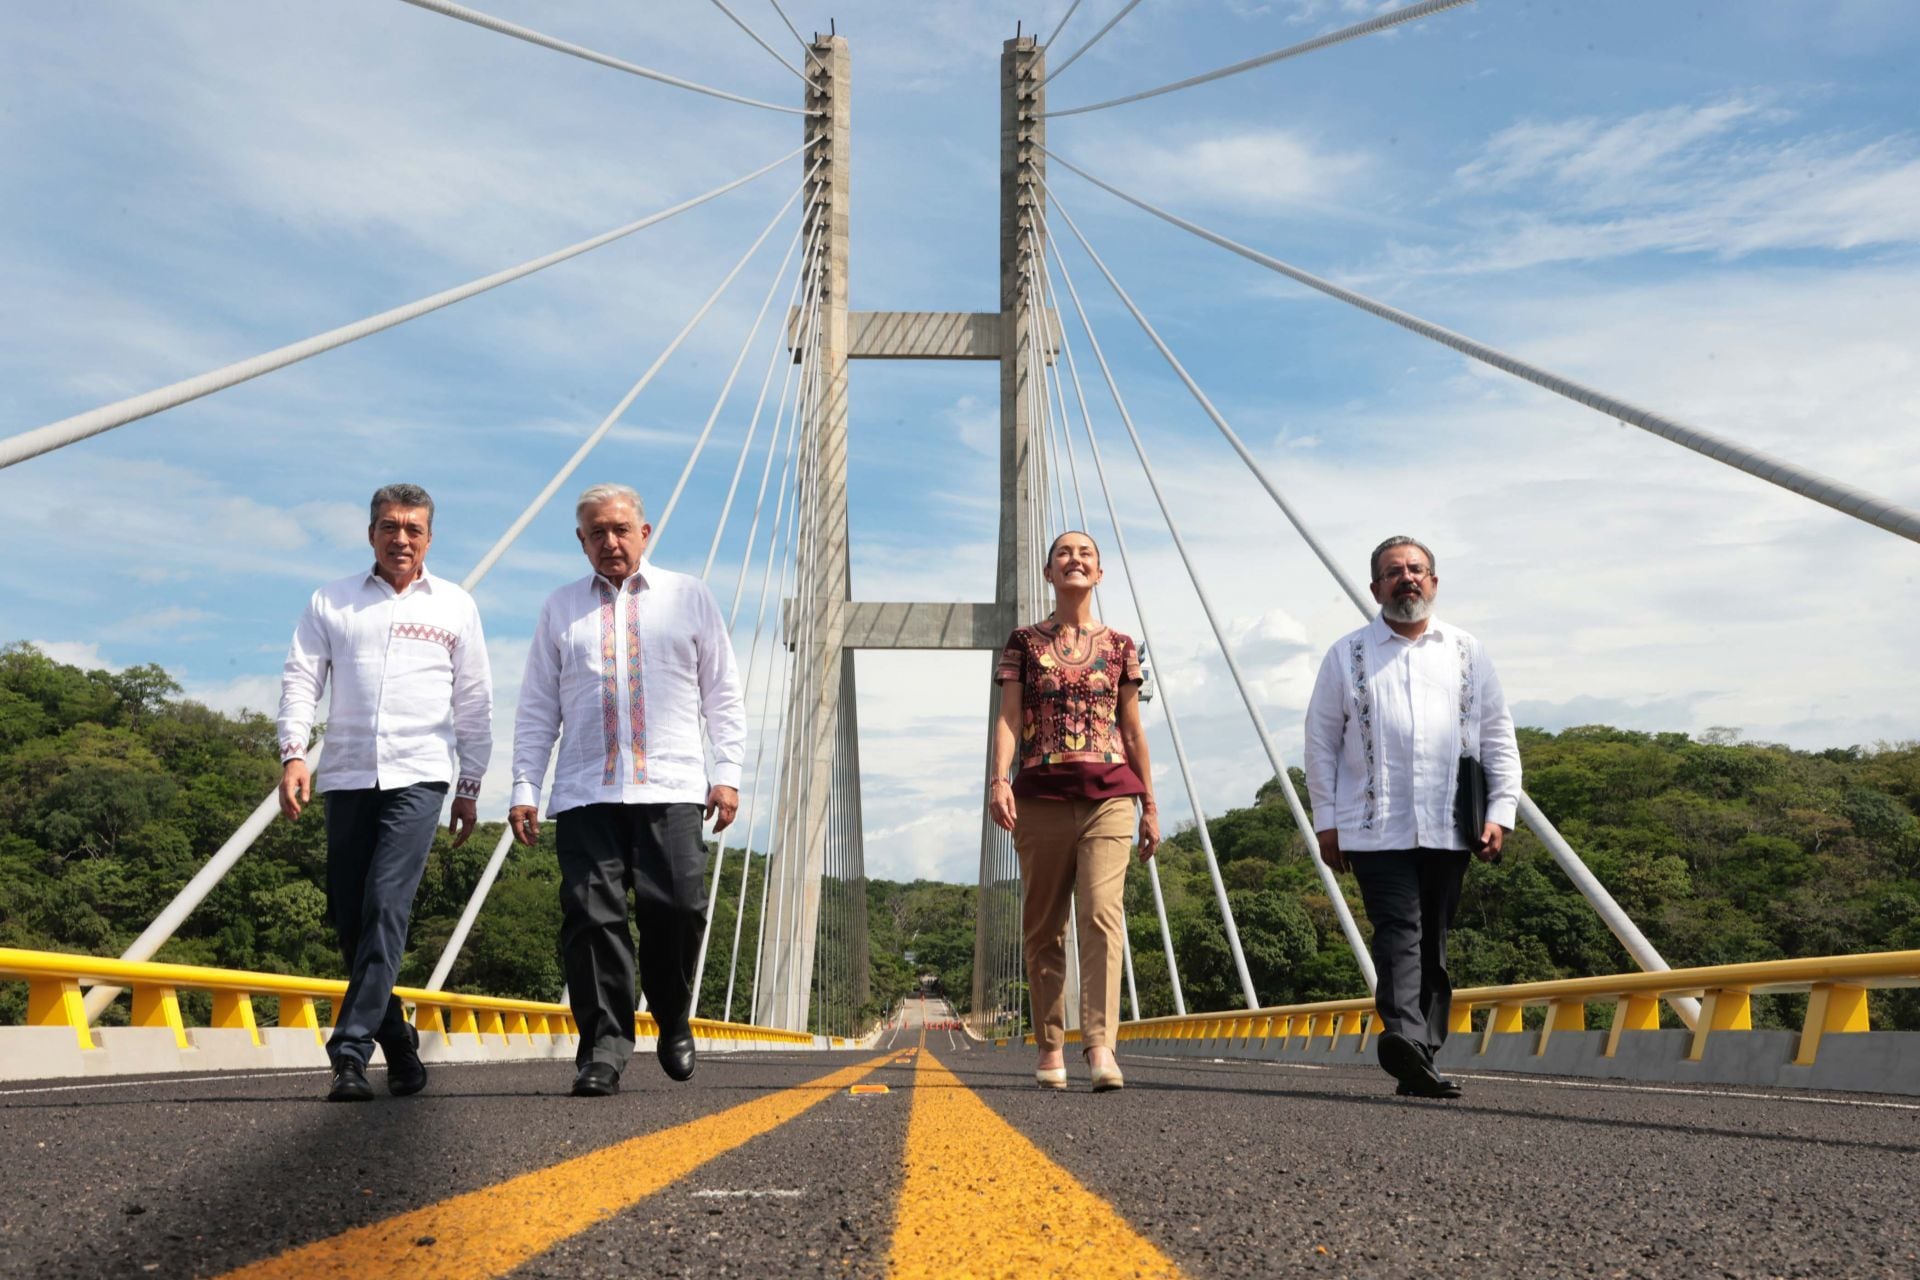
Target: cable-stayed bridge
790,1043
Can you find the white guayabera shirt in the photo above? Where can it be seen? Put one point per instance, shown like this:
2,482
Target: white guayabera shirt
412,691
1387,723
624,677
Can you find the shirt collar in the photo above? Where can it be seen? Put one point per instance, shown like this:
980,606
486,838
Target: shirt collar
642,576
422,583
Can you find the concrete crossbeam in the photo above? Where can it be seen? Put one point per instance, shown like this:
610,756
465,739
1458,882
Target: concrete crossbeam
917,624
928,335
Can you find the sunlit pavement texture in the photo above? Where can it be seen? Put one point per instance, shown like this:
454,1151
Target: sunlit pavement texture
767,1165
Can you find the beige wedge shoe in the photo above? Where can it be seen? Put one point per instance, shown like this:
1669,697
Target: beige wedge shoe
1050,1077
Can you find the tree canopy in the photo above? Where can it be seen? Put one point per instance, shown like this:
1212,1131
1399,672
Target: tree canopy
114,790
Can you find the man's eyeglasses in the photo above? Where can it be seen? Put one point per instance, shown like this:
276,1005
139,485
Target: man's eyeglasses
1414,571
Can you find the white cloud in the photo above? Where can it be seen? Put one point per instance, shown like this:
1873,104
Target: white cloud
1266,171
84,654
1717,178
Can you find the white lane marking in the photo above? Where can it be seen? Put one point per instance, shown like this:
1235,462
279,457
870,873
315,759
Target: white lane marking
774,1193
160,1080
1600,1086
1704,1092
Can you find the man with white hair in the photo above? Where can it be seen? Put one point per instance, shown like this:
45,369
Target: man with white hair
627,664
1397,705
411,714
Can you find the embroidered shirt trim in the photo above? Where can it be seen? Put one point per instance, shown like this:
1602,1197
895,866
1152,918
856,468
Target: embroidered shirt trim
1363,711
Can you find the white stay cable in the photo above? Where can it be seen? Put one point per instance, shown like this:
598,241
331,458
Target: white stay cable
606,424
797,842
733,374
755,37
505,28
216,868
810,308
720,854
455,941
777,673
1166,703
753,658
781,803
775,679
1610,912
799,994
791,838
780,339
484,885
1059,27
1097,37
1381,23
1347,923
55,435
1904,521
797,36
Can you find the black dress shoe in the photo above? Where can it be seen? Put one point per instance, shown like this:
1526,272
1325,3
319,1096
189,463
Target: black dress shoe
349,1083
406,1074
676,1054
1439,1087
596,1080
1402,1059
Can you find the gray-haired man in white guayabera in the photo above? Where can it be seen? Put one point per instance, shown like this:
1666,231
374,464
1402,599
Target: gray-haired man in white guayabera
1396,705
411,715
627,665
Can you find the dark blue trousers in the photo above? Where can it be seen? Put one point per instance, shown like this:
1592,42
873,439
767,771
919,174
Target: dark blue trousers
1411,896
377,845
654,852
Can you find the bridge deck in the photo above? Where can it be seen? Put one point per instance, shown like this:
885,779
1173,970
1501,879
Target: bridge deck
764,1165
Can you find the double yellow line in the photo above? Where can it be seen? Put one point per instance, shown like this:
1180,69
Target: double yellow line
979,1198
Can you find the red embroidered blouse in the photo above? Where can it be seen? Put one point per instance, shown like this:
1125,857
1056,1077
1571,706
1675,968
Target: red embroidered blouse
1070,747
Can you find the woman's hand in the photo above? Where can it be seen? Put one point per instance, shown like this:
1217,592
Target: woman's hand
1149,831
1000,803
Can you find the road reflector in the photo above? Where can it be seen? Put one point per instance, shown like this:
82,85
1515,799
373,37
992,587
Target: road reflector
859,1089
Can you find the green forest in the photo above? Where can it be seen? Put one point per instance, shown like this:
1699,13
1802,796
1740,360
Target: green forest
114,789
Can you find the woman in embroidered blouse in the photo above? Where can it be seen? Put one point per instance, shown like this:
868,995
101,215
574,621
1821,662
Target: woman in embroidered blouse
1070,701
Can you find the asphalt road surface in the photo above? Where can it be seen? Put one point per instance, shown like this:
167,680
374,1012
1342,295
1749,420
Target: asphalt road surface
766,1165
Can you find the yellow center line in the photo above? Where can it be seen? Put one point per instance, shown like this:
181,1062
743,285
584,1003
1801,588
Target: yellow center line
981,1200
493,1230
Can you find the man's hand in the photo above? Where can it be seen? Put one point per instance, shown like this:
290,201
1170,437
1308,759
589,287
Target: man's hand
1492,837
724,801
1000,804
296,788
524,821
466,813
1330,851
1149,832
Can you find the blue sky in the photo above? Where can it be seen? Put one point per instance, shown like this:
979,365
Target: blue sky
1712,210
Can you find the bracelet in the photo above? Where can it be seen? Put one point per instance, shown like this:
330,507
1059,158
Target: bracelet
1002,781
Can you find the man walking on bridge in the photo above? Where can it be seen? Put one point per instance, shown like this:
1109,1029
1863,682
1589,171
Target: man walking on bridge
411,713
626,665
1400,713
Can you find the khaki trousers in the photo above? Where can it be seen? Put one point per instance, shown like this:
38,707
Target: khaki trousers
1074,852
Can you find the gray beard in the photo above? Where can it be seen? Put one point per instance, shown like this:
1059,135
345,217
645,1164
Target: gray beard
1414,608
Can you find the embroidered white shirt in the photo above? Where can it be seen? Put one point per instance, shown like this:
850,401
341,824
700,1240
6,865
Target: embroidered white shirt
412,691
624,678
1387,723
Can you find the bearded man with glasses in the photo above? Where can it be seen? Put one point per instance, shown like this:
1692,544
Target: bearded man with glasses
1405,720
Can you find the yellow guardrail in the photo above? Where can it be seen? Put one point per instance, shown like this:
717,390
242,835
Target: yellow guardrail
1837,988
54,1000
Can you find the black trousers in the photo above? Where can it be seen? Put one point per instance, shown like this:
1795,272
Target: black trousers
1411,896
377,846
654,851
